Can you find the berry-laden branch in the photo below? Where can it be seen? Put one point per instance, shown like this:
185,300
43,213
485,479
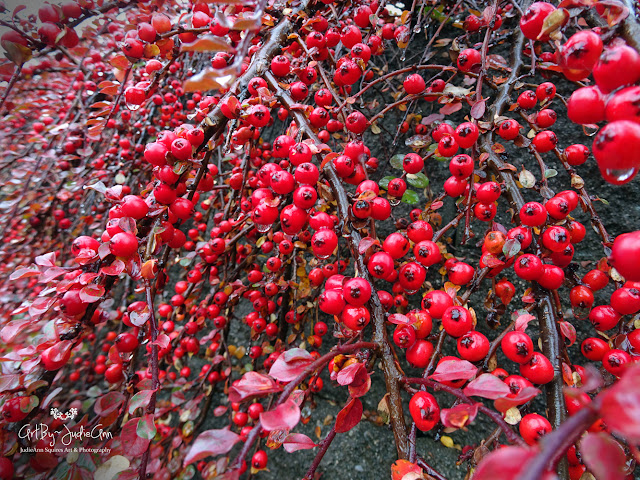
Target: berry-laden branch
392,374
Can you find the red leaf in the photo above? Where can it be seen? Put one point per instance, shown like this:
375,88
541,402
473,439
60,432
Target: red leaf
399,319
347,375
50,274
434,117
24,272
366,243
116,268
621,405
454,370
46,260
523,396
211,443
91,293
140,318
504,463
603,456
478,109
135,445
252,384
290,364
41,305
140,400
349,416
523,320
11,329
328,158
568,332
283,417
297,441
450,108
613,11
487,386
459,416
108,403
401,468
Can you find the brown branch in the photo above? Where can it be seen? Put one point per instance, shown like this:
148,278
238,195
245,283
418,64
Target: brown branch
392,373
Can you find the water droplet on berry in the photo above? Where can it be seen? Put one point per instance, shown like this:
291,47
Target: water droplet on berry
263,228
590,130
619,177
394,202
133,107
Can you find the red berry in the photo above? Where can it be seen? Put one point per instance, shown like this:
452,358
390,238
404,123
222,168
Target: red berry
424,410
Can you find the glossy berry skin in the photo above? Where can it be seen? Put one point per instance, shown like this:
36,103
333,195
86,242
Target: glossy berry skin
466,134
594,348
618,66
469,59
616,361
355,318
460,166
615,146
586,106
528,267
625,255
427,253
533,19
624,105
527,100
411,276
509,129
576,154
259,460
324,242
436,302
412,163
414,84
626,300
419,354
545,141
123,244
473,346
517,346
424,411
331,301
356,291
488,192
381,265
404,336
533,427
580,54
604,317
533,214
537,370
556,238
552,277
396,245
457,321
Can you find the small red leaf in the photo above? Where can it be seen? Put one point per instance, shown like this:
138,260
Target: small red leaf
621,405
347,375
283,417
478,109
568,332
140,400
459,416
506,463
24,272
603,456
91,293
366,243
290,364
349,416
211,443
523,396
523,320
399,319
108,403
487,386
454,370
252,384
135,445
401,468
297,441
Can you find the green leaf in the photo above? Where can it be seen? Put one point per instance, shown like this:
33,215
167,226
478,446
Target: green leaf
384,181
511,248
418,180
396,161
410,197
146,427
549,173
